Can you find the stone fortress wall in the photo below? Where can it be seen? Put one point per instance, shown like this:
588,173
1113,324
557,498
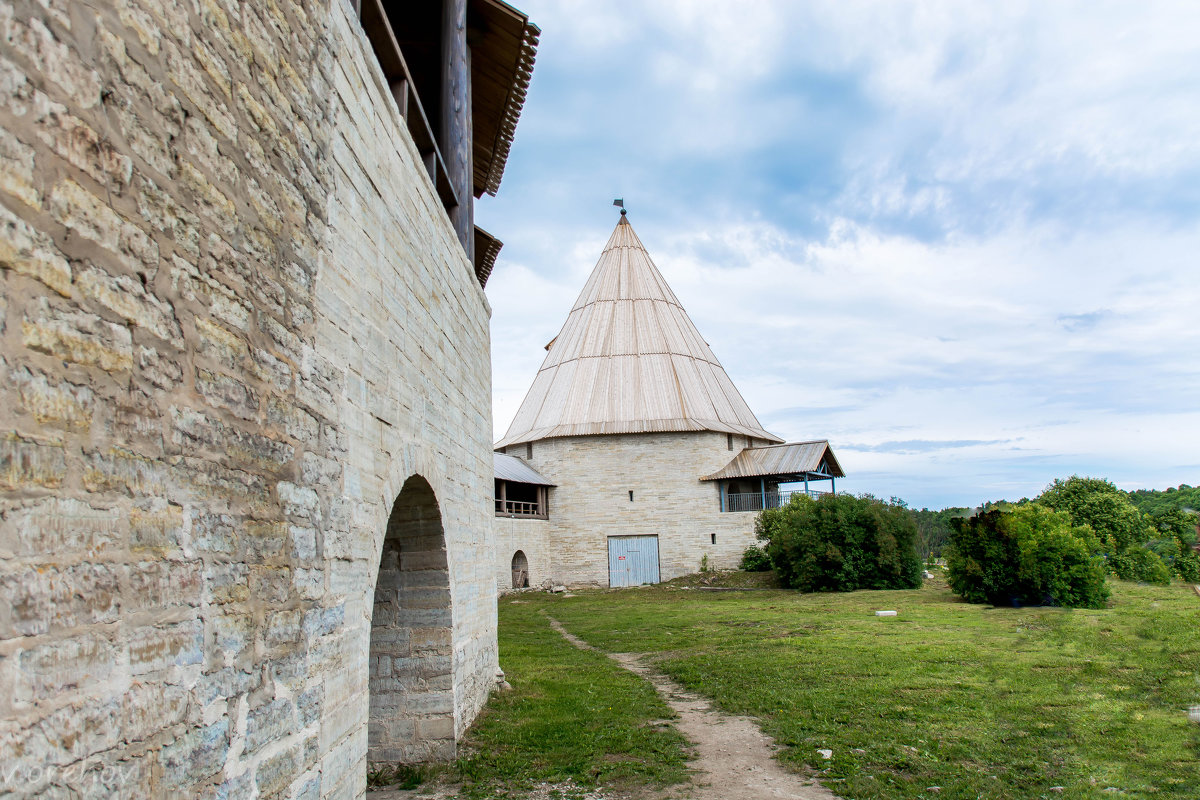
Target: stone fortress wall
236,328
593,476
531,537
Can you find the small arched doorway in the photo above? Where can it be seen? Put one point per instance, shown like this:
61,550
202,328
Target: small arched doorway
520,570
411,717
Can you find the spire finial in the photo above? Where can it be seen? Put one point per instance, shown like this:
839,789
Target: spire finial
620,202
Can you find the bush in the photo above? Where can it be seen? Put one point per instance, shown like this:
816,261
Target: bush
1141,564
1176,543
755,559
841,543
1028,556
1101,505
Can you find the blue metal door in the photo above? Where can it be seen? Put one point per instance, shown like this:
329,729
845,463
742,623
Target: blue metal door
632,560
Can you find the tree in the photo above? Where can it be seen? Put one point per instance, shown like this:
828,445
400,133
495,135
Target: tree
933,529
1125,533
1174,541
1028,556
1101,505
841,543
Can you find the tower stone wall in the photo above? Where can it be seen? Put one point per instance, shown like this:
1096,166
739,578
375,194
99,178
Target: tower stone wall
531,537
234,320
593,476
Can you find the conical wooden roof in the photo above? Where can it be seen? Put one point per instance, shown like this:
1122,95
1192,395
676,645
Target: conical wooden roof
629,360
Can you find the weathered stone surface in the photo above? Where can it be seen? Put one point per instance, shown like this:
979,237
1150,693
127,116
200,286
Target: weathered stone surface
236,322
17,176
77,336
127,298
41,601
196,755
30,252
156,648
28,463
593,477
63,526
82,146
71,663
61,403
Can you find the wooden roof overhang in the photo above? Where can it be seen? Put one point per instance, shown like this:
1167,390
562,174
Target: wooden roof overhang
793,461
487,248
503,47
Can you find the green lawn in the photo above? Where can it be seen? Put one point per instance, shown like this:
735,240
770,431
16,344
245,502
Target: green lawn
572,715
982,702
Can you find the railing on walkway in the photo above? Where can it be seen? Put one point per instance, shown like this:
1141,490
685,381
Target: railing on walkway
757,501
517,508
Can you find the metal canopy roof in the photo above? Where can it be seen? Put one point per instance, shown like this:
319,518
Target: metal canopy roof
629,360
511,468
793,458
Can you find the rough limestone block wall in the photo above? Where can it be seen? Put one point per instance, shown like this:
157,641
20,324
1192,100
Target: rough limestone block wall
530,536
400,310
593,476
233,321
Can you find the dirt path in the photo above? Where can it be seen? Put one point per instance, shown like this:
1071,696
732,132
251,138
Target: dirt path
734,759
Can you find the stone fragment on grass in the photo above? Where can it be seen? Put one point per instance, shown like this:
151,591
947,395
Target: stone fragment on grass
826,754
885,613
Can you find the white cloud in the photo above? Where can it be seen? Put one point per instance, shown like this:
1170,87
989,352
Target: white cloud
945,278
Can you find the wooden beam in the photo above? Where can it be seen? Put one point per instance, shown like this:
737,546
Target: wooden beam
399,87
395,69
455,140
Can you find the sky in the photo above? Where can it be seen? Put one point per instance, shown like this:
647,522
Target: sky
960,241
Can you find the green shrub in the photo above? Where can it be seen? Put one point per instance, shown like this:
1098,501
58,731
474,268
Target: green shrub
1100,504
1028,556
841,543
1176,530
755,559
1187,566
1140,564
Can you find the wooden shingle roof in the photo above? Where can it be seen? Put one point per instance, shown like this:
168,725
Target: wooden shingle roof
629,360
502,55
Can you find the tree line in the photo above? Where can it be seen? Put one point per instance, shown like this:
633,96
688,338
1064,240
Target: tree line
1055,549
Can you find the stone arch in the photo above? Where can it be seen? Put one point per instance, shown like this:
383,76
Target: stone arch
520,570
411,716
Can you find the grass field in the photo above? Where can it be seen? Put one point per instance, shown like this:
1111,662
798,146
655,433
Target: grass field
571,715
981,702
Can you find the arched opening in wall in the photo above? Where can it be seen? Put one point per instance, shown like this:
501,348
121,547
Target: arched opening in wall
411,717
520,570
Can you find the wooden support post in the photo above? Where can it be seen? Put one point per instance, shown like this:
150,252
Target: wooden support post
456,135
721,493
400,95
832,485
806,484
504,497
763,483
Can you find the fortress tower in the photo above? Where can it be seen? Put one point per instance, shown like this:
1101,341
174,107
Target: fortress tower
646,448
